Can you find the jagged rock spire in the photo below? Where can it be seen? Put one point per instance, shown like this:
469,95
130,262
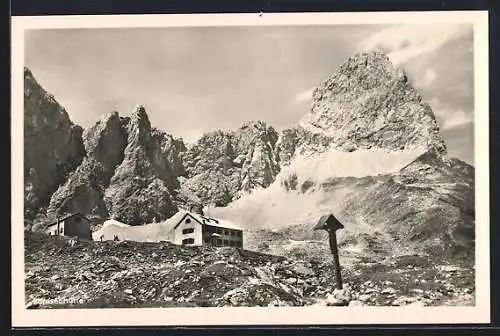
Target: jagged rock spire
370,103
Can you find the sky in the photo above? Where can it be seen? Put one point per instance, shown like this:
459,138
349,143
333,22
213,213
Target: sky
193,80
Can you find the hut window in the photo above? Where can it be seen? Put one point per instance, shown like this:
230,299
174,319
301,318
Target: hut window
188,241
238,244
219,242
188,220
231,243
239,233
232,233
186,231
226,232
226,242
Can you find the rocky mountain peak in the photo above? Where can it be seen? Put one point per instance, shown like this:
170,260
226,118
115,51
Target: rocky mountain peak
138,123
129,172
256,124
223,165
139,113
109,116
28,75
375,63
370,103
83,190
256,131
96,138
53,145
142,185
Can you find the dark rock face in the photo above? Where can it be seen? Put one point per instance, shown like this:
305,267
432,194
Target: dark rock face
367,103
105,143
141,188
129,172
222,165
299,140
260,165
444,207
170,152
427,203
121,167
53,145
84,189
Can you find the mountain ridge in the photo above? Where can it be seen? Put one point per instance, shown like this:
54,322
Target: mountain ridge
53,145
137,174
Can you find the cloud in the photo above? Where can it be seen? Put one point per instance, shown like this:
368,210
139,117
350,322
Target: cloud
429,77
304,96
403,43
450,116
457,118
425,78
453,118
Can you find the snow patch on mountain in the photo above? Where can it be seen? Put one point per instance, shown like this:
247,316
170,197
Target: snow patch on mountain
360,163
289,200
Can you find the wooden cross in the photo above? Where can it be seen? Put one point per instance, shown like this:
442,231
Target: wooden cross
331,225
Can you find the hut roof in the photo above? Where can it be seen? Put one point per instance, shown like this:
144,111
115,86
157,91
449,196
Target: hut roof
204,220
76,214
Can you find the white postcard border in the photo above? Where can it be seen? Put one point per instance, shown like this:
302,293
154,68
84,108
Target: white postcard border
242,315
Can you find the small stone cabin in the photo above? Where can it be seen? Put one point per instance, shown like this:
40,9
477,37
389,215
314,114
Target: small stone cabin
198,230
71,225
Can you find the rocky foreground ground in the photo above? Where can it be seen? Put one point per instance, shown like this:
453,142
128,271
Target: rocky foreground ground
133,274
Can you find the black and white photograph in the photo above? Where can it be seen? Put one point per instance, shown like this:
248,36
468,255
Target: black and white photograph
325,163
